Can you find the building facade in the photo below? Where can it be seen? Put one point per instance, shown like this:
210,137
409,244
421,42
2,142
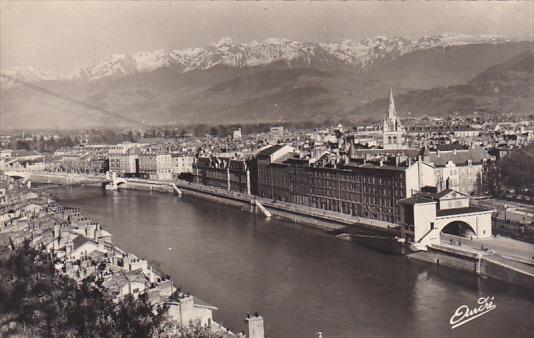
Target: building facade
182,164
358,189
464,170
155,166
124,164
222,172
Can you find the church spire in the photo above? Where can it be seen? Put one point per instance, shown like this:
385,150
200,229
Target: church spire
392,113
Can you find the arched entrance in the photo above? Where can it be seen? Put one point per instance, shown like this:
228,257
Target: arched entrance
459,228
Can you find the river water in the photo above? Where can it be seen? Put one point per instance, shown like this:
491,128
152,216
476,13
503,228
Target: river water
300,280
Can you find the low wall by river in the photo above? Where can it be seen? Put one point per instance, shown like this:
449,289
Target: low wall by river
373,237
63,179
490,266
146,186
446,259
191,192
368,235
383,240
506,273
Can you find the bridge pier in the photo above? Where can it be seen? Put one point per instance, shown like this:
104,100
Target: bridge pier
115,181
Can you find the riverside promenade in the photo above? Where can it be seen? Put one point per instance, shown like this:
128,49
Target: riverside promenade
509,263
500,258
494,258
332,220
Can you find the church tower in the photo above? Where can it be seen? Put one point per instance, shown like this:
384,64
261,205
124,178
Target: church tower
393,131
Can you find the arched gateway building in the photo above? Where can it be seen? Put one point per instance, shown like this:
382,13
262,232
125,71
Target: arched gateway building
428,213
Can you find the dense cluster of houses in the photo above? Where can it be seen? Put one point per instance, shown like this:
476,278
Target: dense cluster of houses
82,248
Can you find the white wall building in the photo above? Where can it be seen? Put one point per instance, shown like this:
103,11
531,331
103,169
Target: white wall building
155,166
182,164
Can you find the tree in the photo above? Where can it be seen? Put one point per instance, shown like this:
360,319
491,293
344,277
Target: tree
44,303
514,172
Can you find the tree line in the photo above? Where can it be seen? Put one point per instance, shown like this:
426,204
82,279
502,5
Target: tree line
514,173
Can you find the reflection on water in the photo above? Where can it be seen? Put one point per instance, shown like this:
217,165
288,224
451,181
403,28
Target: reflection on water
301,280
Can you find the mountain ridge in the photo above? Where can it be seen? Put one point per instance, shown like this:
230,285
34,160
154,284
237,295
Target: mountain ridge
424,81
295,54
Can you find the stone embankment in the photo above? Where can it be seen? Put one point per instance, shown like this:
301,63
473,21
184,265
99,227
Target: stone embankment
375,234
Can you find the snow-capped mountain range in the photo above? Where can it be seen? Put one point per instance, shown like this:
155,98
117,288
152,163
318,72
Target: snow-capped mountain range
357,54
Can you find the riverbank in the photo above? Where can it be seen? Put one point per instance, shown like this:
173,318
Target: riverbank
242,263
376,235
83,250
382,237
483,264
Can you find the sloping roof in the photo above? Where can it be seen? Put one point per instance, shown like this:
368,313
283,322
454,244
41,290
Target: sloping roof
460,157
78,241
24,153
452,146
416,199
429,189
200,303
411,152
460,211
301,161
445,192
121,278
270,150
383,167
152,140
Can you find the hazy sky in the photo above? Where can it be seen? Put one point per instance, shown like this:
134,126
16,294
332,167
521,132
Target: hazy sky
63,36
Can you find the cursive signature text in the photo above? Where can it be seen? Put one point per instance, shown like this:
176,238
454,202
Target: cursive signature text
464,314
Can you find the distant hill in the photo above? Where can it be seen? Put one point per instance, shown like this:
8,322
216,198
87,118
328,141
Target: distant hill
278,80
443,66
505,87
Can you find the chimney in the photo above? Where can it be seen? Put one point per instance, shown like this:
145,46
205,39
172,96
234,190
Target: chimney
186,309
56,230
68,248
255,326
97,233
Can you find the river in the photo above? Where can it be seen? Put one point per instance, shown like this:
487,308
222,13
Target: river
299,279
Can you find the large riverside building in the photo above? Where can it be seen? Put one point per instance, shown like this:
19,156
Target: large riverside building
155,166
364,189
223,172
